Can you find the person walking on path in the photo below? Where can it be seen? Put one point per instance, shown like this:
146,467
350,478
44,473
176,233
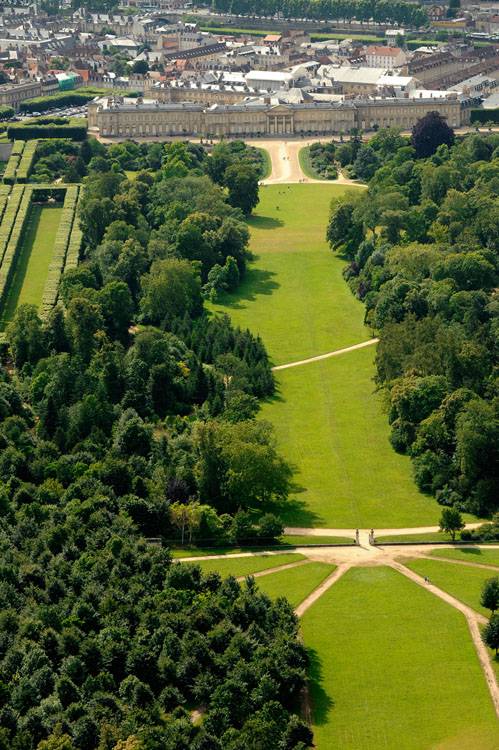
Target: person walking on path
357,542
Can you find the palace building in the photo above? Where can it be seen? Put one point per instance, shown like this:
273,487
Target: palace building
263,117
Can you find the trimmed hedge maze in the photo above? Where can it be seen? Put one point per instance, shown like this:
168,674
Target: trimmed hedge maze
20,162
20,209
60,258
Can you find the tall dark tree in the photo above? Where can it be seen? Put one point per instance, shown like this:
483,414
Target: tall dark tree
430,132
242,183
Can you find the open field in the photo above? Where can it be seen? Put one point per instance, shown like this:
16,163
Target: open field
463,582
179,552
294,294
295,583
330,424
429,536
297,539
242,566
328,418
390,665
33,259
470,554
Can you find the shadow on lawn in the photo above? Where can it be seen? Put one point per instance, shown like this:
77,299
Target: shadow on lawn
322,703
293,511
471,551
256,282
265,222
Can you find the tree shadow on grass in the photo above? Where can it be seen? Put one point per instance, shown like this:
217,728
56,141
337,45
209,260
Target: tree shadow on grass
265,222
471,551
321,701
257,282
294,511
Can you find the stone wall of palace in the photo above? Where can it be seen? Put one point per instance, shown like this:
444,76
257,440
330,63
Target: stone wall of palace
266,119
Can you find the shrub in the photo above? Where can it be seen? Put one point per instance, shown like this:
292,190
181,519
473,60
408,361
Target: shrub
76,129
61,99
26,162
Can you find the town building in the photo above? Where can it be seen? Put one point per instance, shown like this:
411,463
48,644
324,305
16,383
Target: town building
385,57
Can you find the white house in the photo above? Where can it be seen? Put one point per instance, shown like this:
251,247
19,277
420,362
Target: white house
385,57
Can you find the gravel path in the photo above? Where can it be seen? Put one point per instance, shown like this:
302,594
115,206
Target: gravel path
324,586
334,353
286,167
277,569
307,531
474,621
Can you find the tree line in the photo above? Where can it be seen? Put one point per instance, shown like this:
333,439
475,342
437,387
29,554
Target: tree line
127,419
422,250
377,11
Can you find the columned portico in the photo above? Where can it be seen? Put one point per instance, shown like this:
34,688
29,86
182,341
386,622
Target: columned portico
280,121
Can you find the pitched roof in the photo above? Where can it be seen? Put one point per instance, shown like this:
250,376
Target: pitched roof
385,51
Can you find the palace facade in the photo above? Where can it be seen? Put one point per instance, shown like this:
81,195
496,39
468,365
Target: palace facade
115,117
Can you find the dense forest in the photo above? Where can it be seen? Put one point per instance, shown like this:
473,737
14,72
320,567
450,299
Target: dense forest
128,419
422,249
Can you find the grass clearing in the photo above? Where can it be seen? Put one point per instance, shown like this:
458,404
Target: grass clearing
331,426
430,536
245,566
179,552
328,419
390,665
298,539
32,259
296,583
463,582
294,294
470,554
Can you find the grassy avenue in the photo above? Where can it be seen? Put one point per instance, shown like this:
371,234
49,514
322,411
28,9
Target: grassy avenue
396,653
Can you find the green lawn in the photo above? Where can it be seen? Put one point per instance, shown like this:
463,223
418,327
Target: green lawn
296,583
297,539
463,582
328,419
330,424
431,536
470,554
394,668
243,566
287,540
33,260
179,552
294,294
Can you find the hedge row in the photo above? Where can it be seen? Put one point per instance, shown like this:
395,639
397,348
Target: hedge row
485,115
7,112
8,260
17,148
76,130
9,218
61,243
4,199
10,173
26,162
61,99
74,246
